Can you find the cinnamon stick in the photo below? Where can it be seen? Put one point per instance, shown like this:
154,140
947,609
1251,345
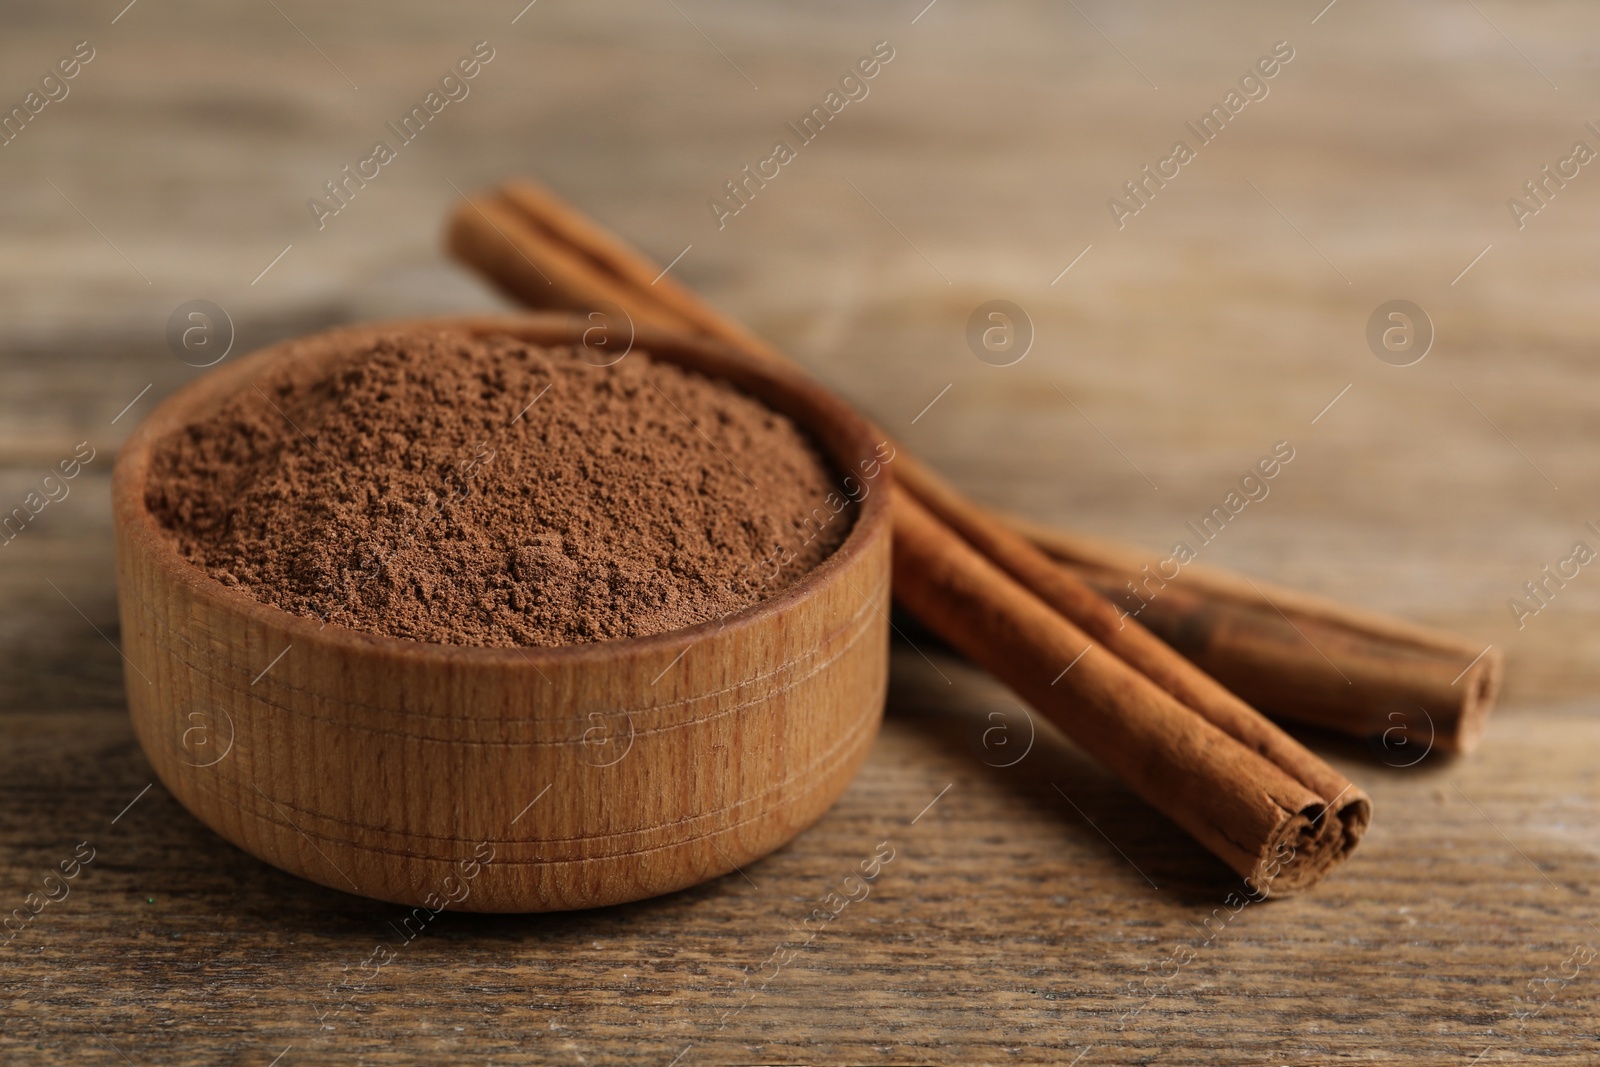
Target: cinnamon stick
1296,655
509,234
1273,812
1075,599
610,254
538,266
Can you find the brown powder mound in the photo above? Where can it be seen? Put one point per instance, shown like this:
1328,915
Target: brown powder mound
490,492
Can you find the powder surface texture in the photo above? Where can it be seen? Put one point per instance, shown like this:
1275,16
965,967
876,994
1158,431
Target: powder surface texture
448,488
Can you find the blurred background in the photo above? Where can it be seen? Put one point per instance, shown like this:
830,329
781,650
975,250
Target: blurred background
1219,319
1172,348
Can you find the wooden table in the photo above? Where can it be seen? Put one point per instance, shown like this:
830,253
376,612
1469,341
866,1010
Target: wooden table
1032,913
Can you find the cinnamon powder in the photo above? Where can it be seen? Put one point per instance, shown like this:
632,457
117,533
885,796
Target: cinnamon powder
472,491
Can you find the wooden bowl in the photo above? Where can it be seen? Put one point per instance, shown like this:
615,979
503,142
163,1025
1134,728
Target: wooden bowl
507,779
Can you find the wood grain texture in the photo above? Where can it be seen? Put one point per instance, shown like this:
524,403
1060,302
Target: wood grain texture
1013,925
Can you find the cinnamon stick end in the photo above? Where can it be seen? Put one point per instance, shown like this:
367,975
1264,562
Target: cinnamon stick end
1310,844
1480,689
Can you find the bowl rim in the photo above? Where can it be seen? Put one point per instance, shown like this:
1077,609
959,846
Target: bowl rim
833,426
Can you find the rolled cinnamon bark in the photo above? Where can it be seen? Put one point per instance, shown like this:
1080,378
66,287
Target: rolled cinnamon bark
1086,607
1296,655
539,268
543,254
612,257
1274,813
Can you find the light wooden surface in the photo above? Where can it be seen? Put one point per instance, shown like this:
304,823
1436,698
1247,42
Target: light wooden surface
1016,921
